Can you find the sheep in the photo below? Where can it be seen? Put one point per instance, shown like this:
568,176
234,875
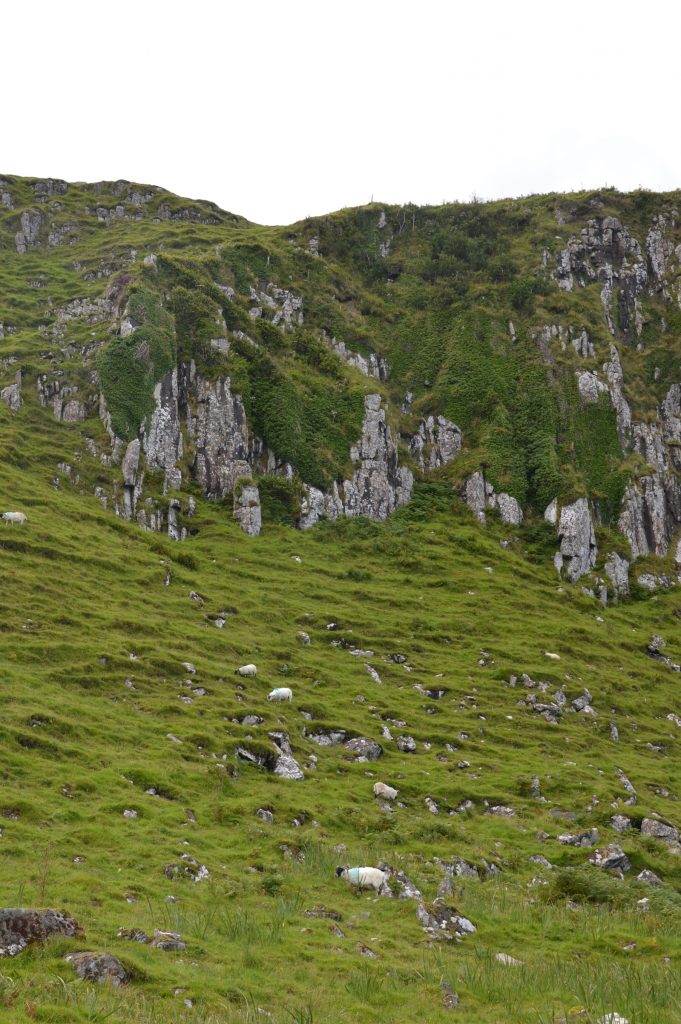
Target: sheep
13,517
246,670
280,693
387,792
364,878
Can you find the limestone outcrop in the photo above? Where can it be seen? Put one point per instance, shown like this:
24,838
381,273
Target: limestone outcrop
11,394
651,509
480,496
436,442
378,485
578,552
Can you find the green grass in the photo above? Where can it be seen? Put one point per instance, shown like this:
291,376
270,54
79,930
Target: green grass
85,725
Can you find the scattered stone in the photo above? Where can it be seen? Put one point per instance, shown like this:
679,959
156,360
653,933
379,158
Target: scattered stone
19,928
587,838
431,805
667,833
98,967
649,877
323,912
442,922
132,935
537,858
501,811
303,638
450,999
364,749
130,814
170,941
407,744
365,951
611,858
265,815
620,823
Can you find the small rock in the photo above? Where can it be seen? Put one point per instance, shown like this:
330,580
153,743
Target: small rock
170,941
610,858
303,638
130,814
98,967
265,815
649,877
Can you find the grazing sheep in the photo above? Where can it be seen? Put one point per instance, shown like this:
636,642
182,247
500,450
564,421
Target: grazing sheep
13,517
364,878
280,693
246,670
387,792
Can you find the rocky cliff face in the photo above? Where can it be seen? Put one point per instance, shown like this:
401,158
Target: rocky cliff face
378,485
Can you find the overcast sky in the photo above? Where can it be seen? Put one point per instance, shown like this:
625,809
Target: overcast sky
276,109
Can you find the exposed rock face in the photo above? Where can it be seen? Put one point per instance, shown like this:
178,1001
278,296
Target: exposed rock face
607,253
615,378
162,439
11,395
436,442
479,495
617,571
19,928
285,764
371,366
651,509
590,387
577,554
55,392
220,434
378,486
247,509
284,308
25,239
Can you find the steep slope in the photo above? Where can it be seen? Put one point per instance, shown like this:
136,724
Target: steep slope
170,354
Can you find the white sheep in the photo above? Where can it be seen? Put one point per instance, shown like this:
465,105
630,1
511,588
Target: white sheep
280,693
364,878
13,517
246,670
387,792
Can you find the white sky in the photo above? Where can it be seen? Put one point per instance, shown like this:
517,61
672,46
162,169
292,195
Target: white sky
278,109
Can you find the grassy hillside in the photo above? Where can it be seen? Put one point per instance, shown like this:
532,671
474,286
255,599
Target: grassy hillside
101,716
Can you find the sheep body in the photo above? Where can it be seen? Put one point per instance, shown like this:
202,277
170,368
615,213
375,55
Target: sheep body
280,693
13,517
364,878
387,792
246,670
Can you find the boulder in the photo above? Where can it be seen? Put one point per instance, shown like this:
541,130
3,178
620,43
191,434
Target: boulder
658,830
247,509
611,858
19,928
364,749
98,967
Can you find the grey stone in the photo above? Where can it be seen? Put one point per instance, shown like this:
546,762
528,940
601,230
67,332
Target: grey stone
437,442
658,830
649,878
621,823
364,749
169,941
98,967
577,540
11,394
265,815
407,744
247,510
617,571
27,238
378,486
19,928
611,858
587,838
